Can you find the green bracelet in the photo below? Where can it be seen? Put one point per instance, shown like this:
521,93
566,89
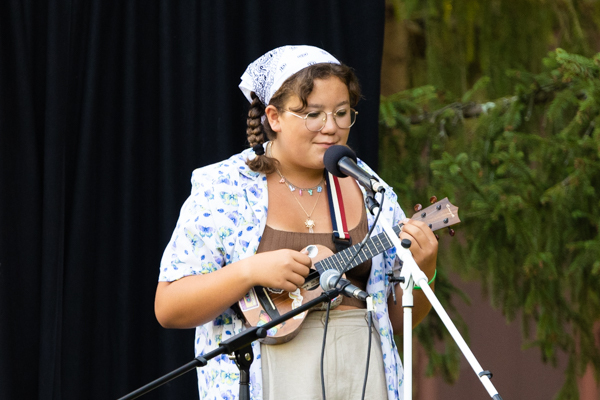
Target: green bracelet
429,283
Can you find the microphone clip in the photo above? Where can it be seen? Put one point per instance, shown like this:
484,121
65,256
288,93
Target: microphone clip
329,279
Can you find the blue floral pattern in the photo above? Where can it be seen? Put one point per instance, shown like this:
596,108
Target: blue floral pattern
221,222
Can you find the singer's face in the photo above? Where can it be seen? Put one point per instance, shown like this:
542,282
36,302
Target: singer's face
296,145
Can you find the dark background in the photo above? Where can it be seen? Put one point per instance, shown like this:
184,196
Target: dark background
106,107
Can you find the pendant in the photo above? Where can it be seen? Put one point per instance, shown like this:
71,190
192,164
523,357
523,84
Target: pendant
282,180
309,191
310,224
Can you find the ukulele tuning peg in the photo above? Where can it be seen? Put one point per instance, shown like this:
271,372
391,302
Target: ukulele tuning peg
418,207
451,231
432,199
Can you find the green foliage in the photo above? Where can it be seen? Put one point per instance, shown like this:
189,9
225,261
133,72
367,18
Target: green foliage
464,40
526,176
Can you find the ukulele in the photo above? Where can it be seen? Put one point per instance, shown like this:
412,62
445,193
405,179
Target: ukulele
261,305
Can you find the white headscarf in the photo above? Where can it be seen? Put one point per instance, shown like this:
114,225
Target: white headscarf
265,75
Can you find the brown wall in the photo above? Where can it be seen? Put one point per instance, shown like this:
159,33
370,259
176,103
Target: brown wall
498,347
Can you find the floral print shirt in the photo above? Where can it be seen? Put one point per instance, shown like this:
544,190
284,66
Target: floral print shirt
222,222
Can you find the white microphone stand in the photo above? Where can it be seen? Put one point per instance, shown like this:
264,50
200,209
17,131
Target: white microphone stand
409,275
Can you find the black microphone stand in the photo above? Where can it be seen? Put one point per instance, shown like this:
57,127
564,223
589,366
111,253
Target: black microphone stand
240,346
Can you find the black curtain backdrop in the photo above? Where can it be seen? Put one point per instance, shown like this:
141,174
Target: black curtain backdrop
106,107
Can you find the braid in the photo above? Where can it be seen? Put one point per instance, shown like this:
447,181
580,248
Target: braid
257,134
255,130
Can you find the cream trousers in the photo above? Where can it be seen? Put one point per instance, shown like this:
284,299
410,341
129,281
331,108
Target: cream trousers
291,371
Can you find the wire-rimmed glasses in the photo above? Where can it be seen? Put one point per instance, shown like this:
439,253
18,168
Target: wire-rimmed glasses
315,120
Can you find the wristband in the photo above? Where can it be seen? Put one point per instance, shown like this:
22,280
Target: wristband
430,282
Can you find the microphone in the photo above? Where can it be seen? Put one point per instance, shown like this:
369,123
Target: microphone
341,162
328,279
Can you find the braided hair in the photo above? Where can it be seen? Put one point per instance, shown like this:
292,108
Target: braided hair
256,132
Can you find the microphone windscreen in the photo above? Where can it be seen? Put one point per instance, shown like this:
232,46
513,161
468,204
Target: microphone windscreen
332,157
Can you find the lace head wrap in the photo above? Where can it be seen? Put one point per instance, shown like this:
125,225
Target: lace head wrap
265,75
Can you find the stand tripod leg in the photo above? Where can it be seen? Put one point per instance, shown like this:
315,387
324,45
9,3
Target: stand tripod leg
484,376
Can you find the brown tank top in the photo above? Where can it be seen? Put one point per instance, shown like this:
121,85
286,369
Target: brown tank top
273,239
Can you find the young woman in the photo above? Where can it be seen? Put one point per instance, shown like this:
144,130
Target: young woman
248,221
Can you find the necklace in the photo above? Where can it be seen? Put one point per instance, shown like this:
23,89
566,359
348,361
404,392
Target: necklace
309,223
318,187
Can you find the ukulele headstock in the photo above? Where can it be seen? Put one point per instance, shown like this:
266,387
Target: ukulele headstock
440,214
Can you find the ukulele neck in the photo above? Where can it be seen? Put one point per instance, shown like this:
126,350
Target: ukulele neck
348,259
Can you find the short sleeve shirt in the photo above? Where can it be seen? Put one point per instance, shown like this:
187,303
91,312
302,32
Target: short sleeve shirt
222,222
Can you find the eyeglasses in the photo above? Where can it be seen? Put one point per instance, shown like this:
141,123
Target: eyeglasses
315,120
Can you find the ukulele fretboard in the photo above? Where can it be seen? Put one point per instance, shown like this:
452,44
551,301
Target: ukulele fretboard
347,259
